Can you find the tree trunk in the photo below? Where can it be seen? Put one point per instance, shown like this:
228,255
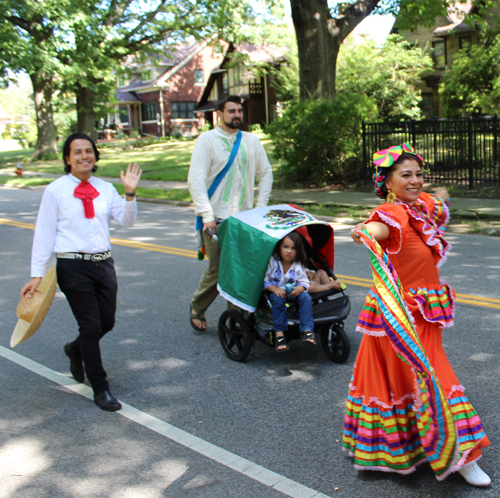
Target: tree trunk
46,138
85,111
319,37
318,48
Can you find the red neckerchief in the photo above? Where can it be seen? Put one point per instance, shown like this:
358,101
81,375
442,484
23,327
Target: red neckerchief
86,192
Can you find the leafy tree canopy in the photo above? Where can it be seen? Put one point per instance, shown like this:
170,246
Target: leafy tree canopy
390,75
84,43
472,86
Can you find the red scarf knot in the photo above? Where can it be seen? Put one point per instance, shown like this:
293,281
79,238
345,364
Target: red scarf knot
86,192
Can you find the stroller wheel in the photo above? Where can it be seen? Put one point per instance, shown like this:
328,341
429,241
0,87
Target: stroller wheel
336,344
235,336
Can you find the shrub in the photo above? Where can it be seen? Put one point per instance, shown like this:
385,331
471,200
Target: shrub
206,127
256,128
51,157
134,134
319,140
24,134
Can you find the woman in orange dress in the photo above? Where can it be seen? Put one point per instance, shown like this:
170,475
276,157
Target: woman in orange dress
380,425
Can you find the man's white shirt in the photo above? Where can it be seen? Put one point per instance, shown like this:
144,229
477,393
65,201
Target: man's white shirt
61,225
236,191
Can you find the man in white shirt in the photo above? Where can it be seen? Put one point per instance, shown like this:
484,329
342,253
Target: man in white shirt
73,221
234,194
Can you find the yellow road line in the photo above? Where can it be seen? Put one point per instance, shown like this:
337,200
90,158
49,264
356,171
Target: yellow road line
348,281
366,280
153,247
486,302
479,303
490,299
20,224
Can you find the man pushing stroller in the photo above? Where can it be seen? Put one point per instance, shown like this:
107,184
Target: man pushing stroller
224,166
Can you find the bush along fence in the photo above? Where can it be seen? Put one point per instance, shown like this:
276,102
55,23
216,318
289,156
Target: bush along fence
462,151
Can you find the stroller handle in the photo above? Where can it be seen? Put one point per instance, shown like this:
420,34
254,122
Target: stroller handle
212,236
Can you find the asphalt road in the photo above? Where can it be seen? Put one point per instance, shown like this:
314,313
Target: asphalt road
280,412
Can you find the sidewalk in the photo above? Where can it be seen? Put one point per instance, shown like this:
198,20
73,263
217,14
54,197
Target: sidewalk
459,206
343,198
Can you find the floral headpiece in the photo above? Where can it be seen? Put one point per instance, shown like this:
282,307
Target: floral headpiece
385,159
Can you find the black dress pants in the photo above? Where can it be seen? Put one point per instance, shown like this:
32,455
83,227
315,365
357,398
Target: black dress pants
91,290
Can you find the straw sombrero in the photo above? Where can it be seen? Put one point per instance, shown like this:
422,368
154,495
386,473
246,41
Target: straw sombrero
32,311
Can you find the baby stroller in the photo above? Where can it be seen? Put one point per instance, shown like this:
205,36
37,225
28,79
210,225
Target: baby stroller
247,241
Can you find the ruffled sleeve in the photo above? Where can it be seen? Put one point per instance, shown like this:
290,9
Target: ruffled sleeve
439,210
396,218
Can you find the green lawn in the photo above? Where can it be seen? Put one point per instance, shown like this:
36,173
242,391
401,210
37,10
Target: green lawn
156,193
11,157
167,161
24,182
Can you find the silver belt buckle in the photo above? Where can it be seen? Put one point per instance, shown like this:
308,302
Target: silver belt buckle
96,258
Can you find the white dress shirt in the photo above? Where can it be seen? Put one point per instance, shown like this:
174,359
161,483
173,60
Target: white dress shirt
61,225
235,193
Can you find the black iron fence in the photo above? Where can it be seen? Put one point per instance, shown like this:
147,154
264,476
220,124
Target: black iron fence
462,151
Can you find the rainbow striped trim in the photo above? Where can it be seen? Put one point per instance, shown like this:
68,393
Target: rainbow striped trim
436,306
388,438
440,214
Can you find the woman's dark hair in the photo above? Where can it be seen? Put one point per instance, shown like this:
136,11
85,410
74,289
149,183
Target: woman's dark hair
390,171
296,238
67,148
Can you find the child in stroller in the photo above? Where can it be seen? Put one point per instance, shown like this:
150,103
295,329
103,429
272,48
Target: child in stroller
287,268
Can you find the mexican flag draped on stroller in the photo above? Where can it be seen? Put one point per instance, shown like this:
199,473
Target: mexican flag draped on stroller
247,242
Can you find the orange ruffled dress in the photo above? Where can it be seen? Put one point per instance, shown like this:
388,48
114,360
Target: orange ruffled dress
380,427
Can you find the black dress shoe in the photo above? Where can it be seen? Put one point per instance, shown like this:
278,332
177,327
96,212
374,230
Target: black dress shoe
75,363
106,401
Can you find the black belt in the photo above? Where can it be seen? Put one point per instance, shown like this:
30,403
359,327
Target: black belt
83,256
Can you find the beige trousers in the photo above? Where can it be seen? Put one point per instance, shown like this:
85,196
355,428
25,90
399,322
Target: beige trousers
207,292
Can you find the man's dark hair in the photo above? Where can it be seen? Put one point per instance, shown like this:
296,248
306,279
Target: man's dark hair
229,98
67,148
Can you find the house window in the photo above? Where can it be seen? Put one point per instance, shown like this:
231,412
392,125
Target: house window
149,111
439,53
199,76
465,42
123,115
183,110
147,75
122,80
427,105
238,75
272,113
225,83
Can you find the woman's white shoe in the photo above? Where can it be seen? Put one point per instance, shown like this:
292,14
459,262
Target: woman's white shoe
475,476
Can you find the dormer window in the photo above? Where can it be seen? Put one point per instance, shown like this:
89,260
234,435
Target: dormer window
199,76
122,80
147,75
439,53
239,74
225,83
465,42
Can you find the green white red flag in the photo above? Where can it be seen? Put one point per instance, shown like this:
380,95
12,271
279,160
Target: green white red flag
247,242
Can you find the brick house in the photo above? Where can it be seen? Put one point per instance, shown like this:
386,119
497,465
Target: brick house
449,35
238,76
160,96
